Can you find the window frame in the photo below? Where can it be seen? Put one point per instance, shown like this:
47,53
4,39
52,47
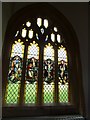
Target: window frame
75,74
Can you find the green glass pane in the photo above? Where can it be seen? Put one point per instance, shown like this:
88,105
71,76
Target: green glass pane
48,96
30,93
63,93
12,93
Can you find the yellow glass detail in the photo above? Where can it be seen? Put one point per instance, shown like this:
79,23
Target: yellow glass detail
49,52
17,49
33,50
62,54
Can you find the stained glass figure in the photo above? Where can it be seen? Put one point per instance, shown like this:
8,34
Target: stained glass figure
15,73
48,74
15,69
48,70
32,70
62,74
31,73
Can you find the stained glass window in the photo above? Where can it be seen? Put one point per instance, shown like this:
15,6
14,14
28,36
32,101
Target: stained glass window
15,73
32,73
31,60
48,74
63,74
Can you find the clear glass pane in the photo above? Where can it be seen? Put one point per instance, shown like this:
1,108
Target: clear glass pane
55,29
62,74
53,37
15,73
28,24
24,32
48,74
45,23
39,22
42,30
30,34
16,33
37,36
32,66
62,54
17,49
46,38
58,38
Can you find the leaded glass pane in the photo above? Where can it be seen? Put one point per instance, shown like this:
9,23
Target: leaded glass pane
28,24
30,34
48,74
58,38
63,92
55,29
39,22
45,23
53,37
15,73
48,92
42,30
62,74
16,33
31,73
24,32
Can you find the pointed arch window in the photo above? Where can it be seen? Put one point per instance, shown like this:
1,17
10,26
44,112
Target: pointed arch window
42,67
32,40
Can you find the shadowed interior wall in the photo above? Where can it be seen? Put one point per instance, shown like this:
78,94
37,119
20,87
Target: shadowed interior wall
77,14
